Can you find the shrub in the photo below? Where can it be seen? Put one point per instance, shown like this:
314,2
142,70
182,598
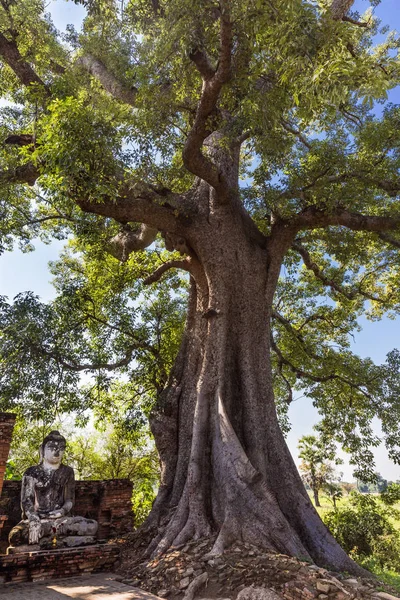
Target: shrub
386,551
391,495
359,526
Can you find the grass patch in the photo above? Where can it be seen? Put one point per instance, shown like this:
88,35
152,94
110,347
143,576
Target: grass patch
391,578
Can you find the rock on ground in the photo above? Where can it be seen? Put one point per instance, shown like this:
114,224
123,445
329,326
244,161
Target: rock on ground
242,572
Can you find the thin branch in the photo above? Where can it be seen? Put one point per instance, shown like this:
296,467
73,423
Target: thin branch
312,266
50,218
351,117
72,365
12,56
29,221
354,22
107,79
389,239
289,127
350,294
171,264
316,317
301,374
294,332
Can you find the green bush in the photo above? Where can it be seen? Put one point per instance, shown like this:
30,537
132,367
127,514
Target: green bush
362,527
391,495
386,551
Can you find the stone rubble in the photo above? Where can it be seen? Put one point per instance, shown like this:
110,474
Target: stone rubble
239,568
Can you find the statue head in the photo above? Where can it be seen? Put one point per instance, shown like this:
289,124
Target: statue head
52,448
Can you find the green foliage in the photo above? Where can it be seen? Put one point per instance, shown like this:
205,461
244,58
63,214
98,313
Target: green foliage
364,529
80,141
316,468
102,316
146,480
391,494
11,473
388,576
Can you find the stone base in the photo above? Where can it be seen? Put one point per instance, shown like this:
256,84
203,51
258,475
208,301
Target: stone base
48,564
47,543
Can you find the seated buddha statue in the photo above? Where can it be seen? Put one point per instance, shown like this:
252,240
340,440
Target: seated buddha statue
47,500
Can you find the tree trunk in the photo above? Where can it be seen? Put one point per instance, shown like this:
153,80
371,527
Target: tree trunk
225,464
316,497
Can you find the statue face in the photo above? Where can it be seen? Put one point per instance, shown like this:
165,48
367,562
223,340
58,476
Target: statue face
54,452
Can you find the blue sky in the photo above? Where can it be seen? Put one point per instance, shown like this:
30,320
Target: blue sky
20,272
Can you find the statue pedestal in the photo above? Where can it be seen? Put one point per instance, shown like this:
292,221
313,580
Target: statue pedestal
48,543
49,564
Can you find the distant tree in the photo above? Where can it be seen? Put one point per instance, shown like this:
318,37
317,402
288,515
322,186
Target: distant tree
334,491
375,484
315,467
381,483
348,487
391,495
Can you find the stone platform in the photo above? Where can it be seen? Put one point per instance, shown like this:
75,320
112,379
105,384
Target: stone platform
48,564
104,586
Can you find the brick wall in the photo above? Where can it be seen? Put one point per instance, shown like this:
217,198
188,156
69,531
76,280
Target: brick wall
7,421
107,501
36,566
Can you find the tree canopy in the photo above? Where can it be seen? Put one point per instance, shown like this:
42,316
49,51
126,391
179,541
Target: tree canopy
129,139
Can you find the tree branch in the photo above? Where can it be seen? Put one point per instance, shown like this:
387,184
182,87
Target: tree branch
354,22
312,266
294,332
128,241
313,218
77,367
389,239
171,264
12,56
137,344
203,63
288,127
139,202
27,173
339,8
107,79
193,158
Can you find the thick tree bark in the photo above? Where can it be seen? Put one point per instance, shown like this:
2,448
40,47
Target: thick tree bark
225,464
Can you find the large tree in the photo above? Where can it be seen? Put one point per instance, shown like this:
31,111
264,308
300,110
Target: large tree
143,124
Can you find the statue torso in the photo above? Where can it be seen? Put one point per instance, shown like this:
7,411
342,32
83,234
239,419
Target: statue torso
48,486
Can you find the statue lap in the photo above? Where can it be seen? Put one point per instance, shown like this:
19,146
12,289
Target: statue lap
64,526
